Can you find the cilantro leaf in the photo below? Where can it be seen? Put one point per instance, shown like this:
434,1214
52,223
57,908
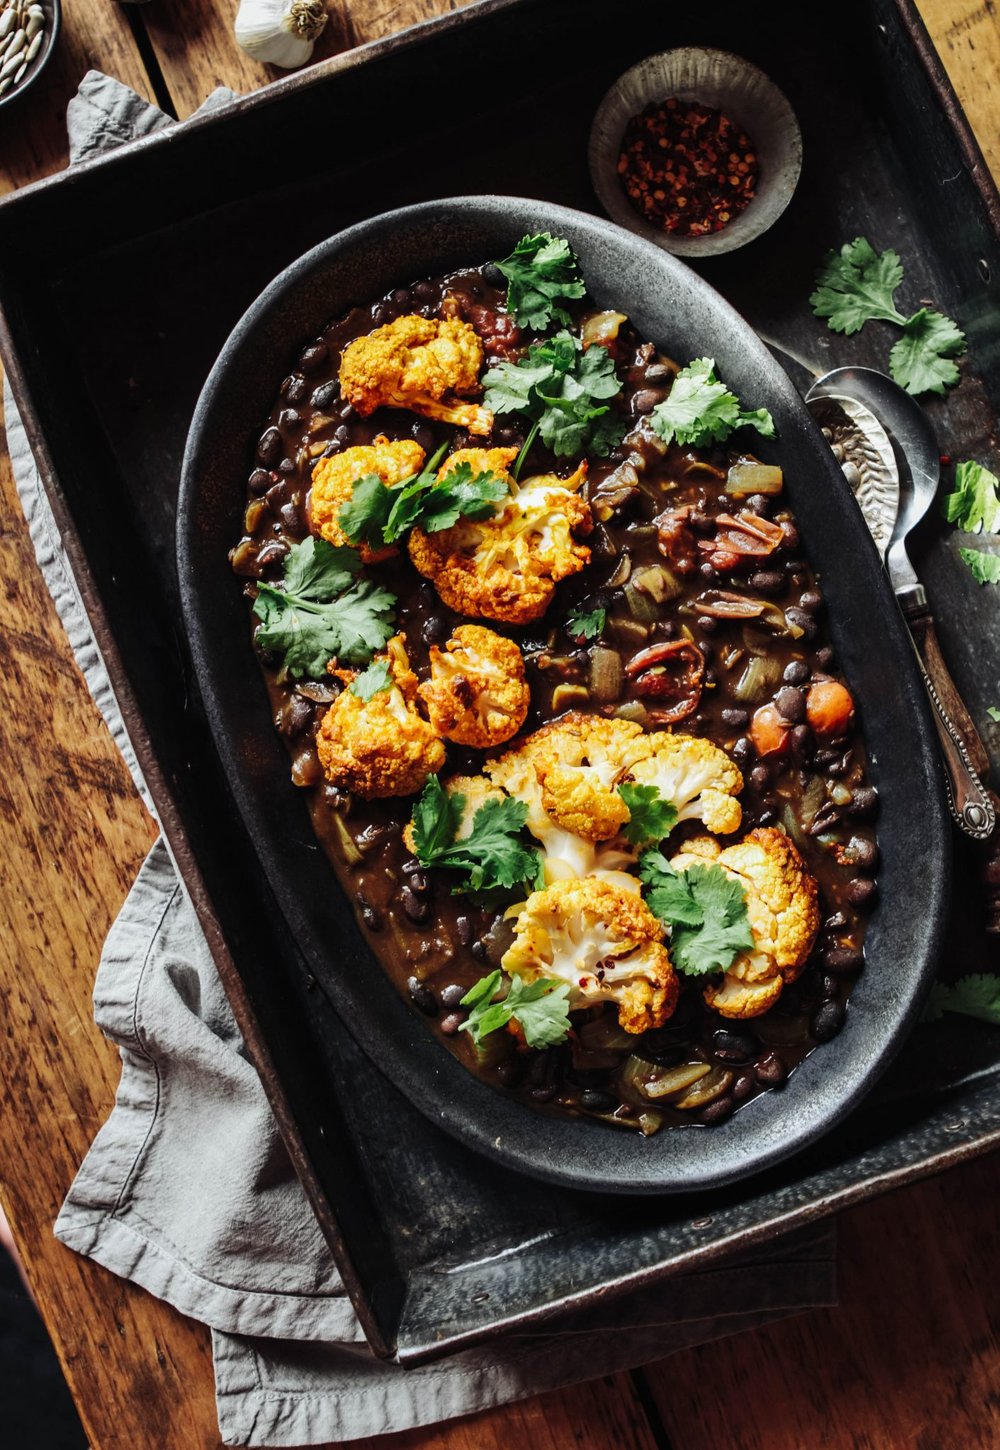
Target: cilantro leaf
977,995
372,681
921,361
491,855
363,517
974,502
856,286
586,626
540,1007
993,713
538,270
462,493
319,614
985,567
565,389
700,409
378,514
651,816
705,910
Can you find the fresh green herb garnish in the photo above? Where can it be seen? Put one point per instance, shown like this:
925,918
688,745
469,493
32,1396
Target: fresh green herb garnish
321,612
538,270
376,514
993,713
587,626
985,567
700,409
491,855
651,816
564,389
857,285
372,681
977,995
974,502
540,1007
705,910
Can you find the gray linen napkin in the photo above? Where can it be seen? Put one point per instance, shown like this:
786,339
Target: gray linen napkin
188,1191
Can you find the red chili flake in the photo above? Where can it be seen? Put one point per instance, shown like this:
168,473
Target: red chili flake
687,168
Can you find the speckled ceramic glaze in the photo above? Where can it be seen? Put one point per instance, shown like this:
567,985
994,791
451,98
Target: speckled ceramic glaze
684,316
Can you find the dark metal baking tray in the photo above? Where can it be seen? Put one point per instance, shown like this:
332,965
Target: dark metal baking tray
139,265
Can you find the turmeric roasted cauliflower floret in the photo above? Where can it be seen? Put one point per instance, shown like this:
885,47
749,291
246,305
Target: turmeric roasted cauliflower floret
698,779
782,909
604,942
583,758
334,478
477,694
382,746
506,567
425,365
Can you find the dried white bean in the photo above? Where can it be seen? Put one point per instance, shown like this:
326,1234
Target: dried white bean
10,65
34,47
33,25
20,73
7,22
17,44
6,85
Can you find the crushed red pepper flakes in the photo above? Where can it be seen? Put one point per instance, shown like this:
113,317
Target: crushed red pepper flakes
687,168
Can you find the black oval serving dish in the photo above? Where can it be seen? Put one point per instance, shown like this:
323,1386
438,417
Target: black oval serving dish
673,307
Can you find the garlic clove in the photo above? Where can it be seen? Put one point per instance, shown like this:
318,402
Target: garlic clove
280,32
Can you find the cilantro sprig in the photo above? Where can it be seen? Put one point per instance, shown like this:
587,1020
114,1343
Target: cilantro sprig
700,409
977,995
372,681
973,504
581,625
539,270
705,910
321,611
491,856
651,816
540,1007
857,285
377,514
985,568
565,390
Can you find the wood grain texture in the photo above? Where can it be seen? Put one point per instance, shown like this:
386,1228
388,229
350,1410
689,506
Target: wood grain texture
911,1357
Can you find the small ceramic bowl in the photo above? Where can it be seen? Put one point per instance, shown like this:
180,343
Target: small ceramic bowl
723,82
50,37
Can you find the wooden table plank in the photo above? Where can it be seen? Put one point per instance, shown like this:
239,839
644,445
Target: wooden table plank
912,1356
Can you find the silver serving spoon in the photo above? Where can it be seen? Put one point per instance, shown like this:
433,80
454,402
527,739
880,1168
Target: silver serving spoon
919,474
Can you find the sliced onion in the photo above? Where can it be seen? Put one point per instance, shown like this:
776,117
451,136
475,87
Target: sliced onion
606,674
706,1090
749,477
676,1079
762,673
602,327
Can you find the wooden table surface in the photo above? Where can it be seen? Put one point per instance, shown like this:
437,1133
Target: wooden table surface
910,1358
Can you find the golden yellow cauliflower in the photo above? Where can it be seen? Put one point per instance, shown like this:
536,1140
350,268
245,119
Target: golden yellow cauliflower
334,478
604,942
506,567
582,761
477,694
698,779
782,910
382,746
421,364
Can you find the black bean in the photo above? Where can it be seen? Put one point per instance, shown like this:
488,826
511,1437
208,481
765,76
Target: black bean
716,1112
791,704
743,1086
272,553
297,390
286,466
863,853
702,523
708,571
811,601
478,951
435,629
803,742
742,749
735,718
314,357
372,919
417,910
543,1094
824,657
767,581
451,1024
767,817
510,1071
829,986
836,922
291,518
419,882
597,1102
770,1070
803,621
294,716
324,396
401,297
451,996
826,817
734,1046
863,803
760,776
260,481
645,400
288,418
423,434
707,624
464,930
269,449
423,996
827,1021
860,891
796,673
491,274
542,1068
841,959
791,534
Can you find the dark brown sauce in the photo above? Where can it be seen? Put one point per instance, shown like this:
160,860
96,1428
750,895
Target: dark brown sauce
435,944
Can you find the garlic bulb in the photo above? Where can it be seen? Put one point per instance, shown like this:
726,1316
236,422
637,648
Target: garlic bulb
280,32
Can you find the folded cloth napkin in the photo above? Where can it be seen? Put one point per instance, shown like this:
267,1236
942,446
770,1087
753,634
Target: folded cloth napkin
188,1191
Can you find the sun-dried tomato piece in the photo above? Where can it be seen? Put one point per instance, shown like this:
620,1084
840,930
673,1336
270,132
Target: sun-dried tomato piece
675,671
